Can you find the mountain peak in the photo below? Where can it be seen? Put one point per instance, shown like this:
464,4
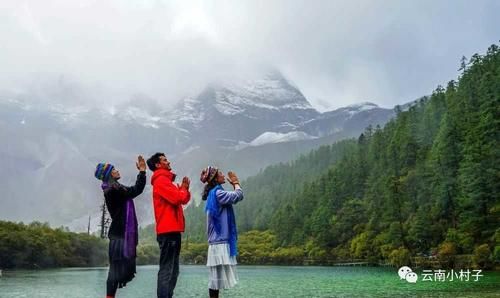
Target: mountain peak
251,104
271,91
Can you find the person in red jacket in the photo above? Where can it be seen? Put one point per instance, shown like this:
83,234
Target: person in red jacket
168,199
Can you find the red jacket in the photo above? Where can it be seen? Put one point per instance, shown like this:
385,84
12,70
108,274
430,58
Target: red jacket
167,201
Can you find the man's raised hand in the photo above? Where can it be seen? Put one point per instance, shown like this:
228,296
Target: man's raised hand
185,183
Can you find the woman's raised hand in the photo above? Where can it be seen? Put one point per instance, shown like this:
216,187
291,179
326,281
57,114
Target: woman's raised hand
233,179
141,163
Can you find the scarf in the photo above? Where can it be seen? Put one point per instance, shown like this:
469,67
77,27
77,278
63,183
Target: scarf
214,211
131,234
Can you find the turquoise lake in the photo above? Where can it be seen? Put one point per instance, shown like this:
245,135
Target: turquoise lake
255,281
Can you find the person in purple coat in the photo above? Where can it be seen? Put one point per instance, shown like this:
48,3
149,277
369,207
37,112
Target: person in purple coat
123,232
221,228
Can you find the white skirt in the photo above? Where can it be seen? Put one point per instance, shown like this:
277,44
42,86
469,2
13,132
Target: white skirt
221,267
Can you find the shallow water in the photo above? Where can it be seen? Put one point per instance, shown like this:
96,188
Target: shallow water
255,281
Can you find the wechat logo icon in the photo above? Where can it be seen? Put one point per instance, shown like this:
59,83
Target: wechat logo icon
407,274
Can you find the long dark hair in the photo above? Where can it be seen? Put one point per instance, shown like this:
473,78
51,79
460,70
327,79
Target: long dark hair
208,187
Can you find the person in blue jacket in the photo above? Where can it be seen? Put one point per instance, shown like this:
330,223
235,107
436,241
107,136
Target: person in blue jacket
221,228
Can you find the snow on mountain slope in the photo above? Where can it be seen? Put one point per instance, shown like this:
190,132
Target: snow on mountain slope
360,107
270,137
274,137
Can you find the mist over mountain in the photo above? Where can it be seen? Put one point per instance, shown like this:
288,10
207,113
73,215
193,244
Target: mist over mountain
53,139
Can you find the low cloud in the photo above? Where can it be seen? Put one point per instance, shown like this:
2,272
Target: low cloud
337,52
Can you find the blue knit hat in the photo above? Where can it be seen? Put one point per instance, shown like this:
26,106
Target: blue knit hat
103,171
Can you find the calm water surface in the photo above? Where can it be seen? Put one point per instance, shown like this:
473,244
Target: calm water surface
255,281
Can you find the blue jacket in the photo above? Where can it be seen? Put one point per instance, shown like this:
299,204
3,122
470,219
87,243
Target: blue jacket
224,198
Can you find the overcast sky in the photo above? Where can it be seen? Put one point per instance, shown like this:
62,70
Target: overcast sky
336,52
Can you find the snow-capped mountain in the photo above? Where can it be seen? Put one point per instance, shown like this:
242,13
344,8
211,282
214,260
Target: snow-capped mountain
227,113
272,92
52,145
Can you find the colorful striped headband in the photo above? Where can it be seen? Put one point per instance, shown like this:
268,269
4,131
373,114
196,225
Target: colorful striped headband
208,174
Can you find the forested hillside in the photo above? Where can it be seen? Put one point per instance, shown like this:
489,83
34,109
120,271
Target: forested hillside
428,182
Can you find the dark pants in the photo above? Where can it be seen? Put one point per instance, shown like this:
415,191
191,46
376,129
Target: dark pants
121,269
170,248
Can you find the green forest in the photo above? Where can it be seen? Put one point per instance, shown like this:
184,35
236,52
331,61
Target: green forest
424,188
36,245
